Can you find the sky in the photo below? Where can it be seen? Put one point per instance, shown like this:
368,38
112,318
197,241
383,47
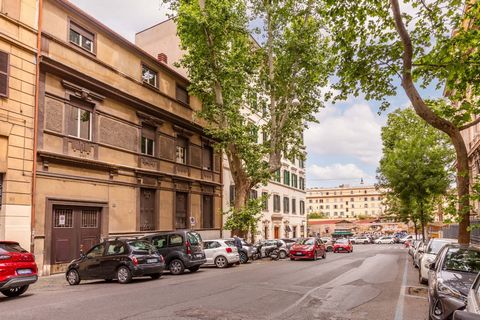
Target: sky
343,148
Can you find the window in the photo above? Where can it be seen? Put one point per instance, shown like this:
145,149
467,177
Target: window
310,201
181,150
160,241
149,76
294,206
302,183
335,206
286,205
181,94
175,240
80,123
148,141
96,251
276,176
321,207
82,37
327,207
115,248
301,163
4,63
365,205
207,158
365,199
302,207
253,194
276,203
207,212
372,199
294,180
286,177
265,201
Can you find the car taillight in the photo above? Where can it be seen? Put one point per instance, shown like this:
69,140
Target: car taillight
135,261
161,258
5,257
189,249
229,250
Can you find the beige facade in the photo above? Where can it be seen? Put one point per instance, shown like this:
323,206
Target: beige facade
345,201
119,149
18,38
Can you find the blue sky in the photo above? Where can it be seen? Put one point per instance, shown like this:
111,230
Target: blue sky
343,148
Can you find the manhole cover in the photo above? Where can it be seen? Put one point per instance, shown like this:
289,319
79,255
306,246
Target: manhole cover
417,291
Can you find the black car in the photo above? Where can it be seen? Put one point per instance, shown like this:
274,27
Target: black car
450,277
120,259
182,249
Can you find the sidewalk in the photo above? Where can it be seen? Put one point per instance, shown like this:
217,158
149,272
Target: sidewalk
416,304
50,283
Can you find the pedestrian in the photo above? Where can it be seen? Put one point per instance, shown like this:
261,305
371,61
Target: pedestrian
237,242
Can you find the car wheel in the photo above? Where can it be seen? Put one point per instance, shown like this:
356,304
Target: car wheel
194,269
176,266
324,256
221,262
243,257
14,292
315,256
155,276
329,249
283,254
124,275
73,278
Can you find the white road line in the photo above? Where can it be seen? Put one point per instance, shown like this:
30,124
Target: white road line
401,297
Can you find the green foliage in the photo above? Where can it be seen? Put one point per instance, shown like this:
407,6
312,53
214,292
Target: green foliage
416,167
245,219
317,215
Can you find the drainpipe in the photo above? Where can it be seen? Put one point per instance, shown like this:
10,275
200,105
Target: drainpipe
35,123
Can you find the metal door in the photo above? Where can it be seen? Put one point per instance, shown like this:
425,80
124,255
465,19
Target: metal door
181,204
147,209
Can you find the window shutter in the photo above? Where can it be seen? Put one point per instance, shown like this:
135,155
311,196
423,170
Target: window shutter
3,74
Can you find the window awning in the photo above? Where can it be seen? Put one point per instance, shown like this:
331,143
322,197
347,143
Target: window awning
342,233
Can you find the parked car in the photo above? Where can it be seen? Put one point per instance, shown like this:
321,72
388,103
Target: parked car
328,245
343,245
450,277
412,247
268,245
182,249
385,240
406,238
18,269
418,254
360,239
246,251
120,259
472,310
221,253
429,254
290,242
308,248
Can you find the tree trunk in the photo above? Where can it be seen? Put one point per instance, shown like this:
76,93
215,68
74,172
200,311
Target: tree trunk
421,108
416,229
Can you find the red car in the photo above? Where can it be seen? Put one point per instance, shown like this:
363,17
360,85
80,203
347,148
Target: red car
308,248
18,269
343,245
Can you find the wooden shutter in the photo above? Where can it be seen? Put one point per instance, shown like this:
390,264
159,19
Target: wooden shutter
182,95
4,74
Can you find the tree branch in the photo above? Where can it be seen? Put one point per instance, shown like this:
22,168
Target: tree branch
468,125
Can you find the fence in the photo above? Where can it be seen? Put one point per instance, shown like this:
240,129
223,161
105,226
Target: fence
451,231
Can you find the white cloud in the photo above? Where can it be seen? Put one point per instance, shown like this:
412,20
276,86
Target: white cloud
335,171
353,132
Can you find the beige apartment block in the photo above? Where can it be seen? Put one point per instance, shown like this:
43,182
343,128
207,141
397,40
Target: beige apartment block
18,36
346,201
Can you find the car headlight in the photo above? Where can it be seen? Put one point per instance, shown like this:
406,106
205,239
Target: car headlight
427,263
444,289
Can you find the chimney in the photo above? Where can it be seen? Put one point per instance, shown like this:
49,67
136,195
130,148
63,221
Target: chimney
162,57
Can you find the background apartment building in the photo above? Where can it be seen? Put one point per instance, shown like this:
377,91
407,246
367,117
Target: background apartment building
18,42
345,201
284,212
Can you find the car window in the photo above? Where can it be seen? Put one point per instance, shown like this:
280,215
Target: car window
435,246
175,240
96,251
160,241
458,259
141,246
11,247
115,248
306,241
342,241
194,238
230,243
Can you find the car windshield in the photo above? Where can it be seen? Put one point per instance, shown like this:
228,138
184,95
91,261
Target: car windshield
143,246
464,260
11,247
342,241
306,241
194,238
230,243
435,246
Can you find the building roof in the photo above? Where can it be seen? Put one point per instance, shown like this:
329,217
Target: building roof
329,221
367,221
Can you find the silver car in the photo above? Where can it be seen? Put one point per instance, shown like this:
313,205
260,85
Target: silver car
221,253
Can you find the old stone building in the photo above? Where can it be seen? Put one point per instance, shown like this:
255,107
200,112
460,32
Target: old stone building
119,148
18,41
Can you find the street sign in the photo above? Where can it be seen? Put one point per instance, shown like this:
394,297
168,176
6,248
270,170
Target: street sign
192,221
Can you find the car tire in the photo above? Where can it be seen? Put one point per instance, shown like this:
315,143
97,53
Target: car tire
324,256
243,257
421,280
315,257
176,267
124,275
73,278
14,292
194,269
155,276
329,249
221,262
283,254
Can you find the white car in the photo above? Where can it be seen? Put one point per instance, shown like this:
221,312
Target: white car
220,253
385,240
360,239
429,254
404,239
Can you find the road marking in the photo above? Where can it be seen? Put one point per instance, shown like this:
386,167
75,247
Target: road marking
401,297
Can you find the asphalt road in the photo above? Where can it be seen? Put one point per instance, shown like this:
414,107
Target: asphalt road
374,282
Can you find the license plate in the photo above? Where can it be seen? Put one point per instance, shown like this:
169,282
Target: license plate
152,260
341,249
199,255
298,253
24,271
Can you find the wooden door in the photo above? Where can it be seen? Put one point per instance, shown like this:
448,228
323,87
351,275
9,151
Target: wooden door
207,212
276,232
147,209
181,206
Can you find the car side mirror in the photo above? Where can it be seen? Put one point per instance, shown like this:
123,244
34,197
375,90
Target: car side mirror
465,315
83,255
432,266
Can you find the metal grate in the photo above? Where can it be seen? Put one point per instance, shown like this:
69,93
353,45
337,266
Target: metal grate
89,218
63,218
